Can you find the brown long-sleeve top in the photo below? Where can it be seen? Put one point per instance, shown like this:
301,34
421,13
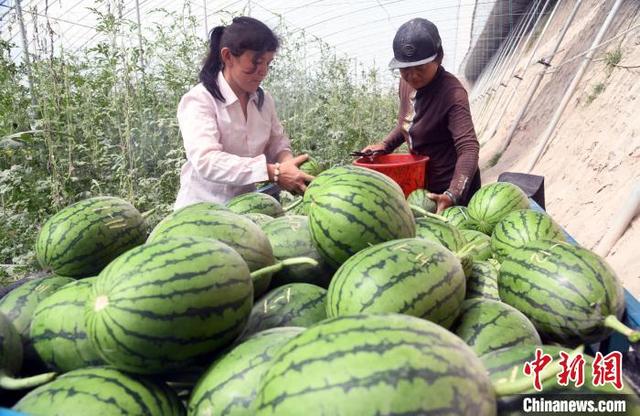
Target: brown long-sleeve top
436,121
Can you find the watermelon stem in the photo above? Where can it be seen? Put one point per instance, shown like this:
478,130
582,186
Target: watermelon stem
282,264
426,213
10,383
292,205
525,384
612,322
146,214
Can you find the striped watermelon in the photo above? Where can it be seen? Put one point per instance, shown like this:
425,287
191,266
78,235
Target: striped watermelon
437,231
519,227
58,332
570,294
440,232
481,244
373,365
488,325
419,199
290,237
483,281
11,355
19,305
238,232
162,305
458,216
410,276
100,391
295,304
230,385
84,237
258,218
319,183
352,211
256,202
507,365
312,167
201,206
489,205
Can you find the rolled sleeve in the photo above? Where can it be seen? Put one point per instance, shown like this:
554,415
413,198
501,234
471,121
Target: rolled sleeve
278,140
201,137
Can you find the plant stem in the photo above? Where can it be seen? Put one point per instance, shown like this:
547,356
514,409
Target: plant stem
292,205
10,383
146,214
281,264
612,322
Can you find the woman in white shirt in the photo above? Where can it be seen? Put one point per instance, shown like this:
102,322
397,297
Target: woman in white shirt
231,132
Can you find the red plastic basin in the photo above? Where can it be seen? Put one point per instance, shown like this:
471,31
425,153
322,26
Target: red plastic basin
407,170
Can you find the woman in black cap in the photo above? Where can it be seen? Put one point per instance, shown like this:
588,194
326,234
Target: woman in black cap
434,117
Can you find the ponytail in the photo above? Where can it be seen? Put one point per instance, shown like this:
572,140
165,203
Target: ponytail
213,63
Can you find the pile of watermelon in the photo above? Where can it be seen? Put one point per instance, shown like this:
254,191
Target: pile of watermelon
353,301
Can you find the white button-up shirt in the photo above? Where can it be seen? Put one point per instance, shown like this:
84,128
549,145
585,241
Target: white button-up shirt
226,154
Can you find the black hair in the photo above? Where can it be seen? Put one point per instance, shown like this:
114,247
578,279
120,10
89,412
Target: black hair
439,56
243,34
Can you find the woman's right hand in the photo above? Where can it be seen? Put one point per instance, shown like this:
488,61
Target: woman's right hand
378,147
293,179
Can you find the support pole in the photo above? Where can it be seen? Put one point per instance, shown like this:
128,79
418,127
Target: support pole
546,136
511,63
536,82
490,81
498,72
140,39
505,107
206,20
622,220
27,62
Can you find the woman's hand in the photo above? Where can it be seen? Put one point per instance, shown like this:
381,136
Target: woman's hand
378,147
291,178
442,201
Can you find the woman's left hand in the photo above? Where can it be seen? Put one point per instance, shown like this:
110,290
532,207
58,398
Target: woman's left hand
442,201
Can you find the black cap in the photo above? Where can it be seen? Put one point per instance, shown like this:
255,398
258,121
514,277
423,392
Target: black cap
416,42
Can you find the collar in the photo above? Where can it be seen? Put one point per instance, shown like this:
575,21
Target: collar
229,96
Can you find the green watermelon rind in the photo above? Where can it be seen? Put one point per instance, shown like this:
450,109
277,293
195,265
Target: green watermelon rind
521,226
255,202
375,364
58,331
410,276
100,391
565,290
294,304
354,210
235,230
81,239
492,202
166,304
489,325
